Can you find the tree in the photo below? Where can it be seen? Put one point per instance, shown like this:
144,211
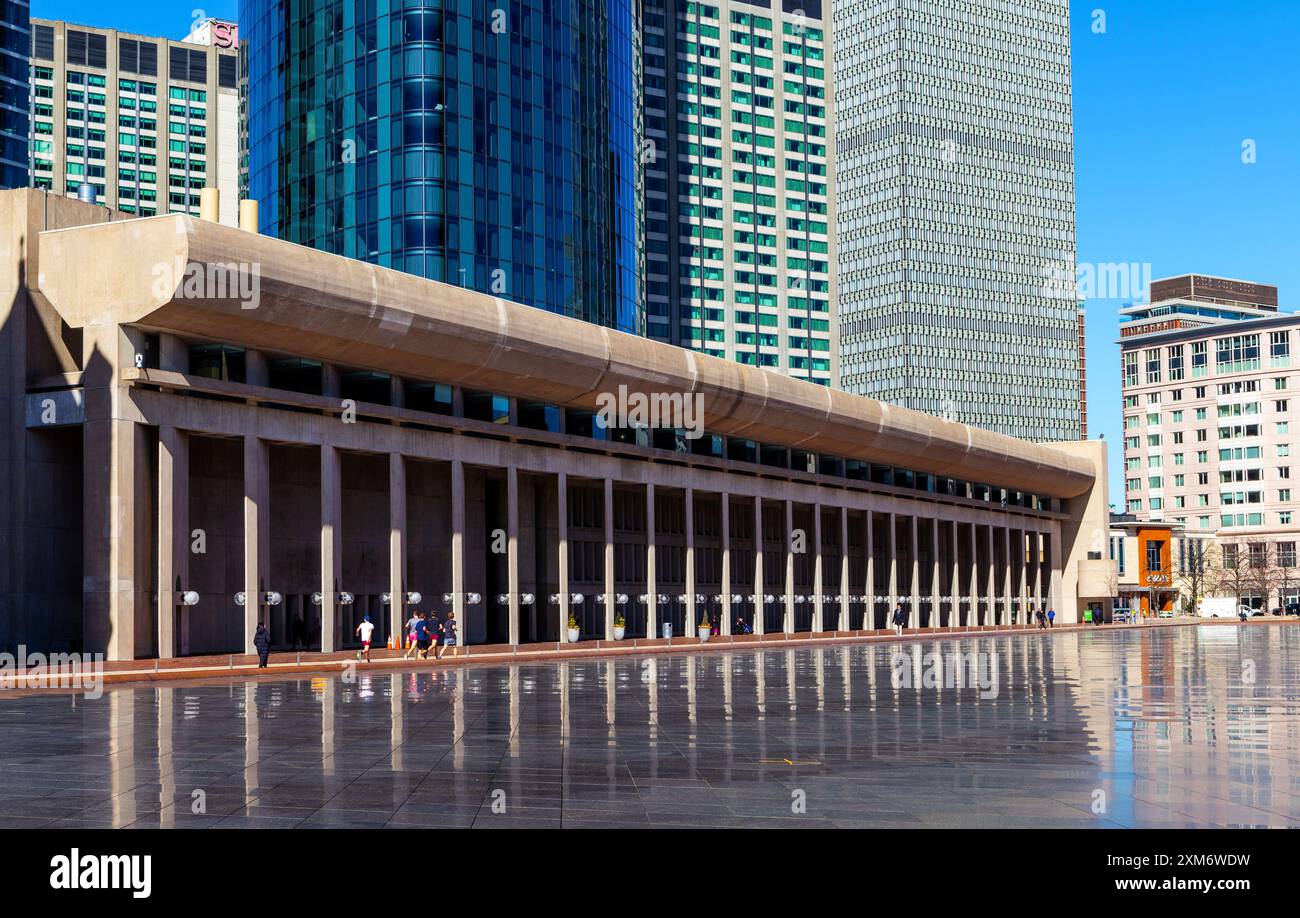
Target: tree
1261,570
1192,575
1228,574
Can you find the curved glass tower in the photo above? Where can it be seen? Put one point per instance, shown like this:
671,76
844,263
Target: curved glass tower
493,145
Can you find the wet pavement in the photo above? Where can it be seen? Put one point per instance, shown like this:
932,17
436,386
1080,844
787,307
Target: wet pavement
1162,727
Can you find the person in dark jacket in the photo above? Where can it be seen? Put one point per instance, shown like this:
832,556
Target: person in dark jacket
262,641
899,619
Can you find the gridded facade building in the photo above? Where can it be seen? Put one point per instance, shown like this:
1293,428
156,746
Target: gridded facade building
491,146
15,17
1210,388
739,203
147,122
955,184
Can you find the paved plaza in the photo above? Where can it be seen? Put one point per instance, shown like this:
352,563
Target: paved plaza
1194,726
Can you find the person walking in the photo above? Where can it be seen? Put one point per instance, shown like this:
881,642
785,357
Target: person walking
448,629
262,641
366,630
1051,618
900,619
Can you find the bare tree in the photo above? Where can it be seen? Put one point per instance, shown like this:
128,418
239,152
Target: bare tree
1228,573
1288,575
1262,570
1191,578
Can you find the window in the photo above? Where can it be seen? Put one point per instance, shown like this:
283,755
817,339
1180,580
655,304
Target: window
1175,353
1153,365
1236,353
1155,553
1130,368
1200,363
1279,349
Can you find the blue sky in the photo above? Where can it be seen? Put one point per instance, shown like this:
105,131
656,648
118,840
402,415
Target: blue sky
1163,100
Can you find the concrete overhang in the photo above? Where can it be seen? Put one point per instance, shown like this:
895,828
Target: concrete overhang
339,310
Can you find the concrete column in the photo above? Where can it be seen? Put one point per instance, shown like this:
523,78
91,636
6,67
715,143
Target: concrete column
609,559
1054,568
173,532
972,616
512,551
758,565
845,622
651,583
256,372
331,552
1006,583
869,616
1037,543
893,568
787,624
458,550
562,481
914,614
954,586
1021,538
257,542
934,573
396,546
818,610
724,626
992,582
114,582
689,521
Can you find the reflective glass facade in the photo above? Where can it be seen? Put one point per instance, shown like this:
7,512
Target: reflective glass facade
493,146
14,49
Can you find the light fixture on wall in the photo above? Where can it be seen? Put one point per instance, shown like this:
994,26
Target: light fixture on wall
189,598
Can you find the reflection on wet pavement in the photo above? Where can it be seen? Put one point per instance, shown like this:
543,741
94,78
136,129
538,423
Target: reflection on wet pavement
1163,727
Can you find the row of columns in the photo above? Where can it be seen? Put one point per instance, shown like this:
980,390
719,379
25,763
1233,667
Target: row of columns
173,551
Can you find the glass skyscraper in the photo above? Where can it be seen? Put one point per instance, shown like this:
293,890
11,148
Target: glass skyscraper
492,146
14,51
955,210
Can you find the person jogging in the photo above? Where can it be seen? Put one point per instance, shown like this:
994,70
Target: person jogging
449,639
422,636
367,631
411,636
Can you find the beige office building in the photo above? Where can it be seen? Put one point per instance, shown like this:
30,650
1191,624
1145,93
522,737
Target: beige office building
1210,383
196,414
145,122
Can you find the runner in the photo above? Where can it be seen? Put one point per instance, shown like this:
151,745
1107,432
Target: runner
367,630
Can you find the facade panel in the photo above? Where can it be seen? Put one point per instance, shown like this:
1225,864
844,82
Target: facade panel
495,149
955,185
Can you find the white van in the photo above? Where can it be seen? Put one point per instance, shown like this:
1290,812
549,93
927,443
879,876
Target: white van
1218,607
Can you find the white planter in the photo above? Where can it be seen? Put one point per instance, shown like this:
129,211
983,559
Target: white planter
573,635
704,633
619,632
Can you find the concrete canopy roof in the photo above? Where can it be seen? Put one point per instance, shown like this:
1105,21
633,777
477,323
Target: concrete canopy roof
339,310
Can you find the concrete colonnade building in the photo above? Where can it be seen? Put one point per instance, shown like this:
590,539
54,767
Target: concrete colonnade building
194,407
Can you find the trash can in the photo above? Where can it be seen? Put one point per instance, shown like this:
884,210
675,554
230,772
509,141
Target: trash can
667,630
